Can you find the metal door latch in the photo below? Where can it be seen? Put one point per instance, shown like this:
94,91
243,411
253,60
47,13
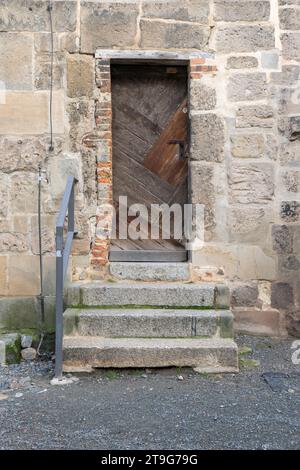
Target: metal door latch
181,147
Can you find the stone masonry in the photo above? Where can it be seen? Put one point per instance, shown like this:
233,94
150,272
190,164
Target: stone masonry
244,102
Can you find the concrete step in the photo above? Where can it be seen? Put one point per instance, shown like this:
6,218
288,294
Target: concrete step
83,353
211,295
148,323
150,271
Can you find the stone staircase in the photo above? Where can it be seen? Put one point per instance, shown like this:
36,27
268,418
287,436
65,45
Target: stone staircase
149,320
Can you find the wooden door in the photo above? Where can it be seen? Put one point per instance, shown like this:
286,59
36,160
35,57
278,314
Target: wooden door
150,150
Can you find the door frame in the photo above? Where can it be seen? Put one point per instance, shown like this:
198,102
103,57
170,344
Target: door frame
101,138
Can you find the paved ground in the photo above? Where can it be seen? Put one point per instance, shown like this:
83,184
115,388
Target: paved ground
166,409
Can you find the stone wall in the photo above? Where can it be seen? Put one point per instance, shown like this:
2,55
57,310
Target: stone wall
245,131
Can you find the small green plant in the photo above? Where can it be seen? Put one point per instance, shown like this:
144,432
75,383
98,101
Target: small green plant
111,374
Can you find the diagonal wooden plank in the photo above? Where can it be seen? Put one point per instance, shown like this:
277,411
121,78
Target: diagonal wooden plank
163,157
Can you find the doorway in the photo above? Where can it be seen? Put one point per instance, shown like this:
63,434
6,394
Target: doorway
150,135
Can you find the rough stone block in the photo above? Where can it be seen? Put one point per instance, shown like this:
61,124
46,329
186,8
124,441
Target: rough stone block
32,15
80,76
207,137
290,211
291,45
16,52
255,116
203,191
244,38
144,323
150,271
241,62
21,154
202,96
252,183
159,34
13,242
151,294
244,295
247,87
282,295
288,263
247,145
194,11
108,25
232,10
206,355
289,18
282,237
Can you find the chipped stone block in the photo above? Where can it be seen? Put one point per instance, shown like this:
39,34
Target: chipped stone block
156,34
255,116
107,24
251,183
207,137
242,62
282,238
244,38
288,100
247,145
247,87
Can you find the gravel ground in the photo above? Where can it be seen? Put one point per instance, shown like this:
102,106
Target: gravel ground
156,409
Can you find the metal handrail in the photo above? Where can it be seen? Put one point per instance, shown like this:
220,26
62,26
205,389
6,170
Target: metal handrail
63,250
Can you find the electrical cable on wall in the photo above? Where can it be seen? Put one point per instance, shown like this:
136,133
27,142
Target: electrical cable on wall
49,8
